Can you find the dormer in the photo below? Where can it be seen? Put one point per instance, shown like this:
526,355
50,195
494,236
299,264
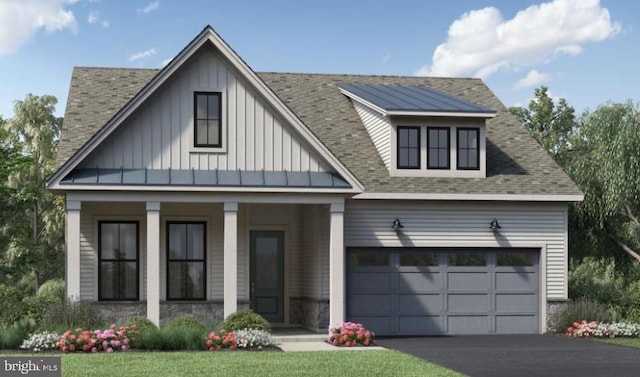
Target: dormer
421,132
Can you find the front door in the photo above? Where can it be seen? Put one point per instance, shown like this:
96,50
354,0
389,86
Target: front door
267,274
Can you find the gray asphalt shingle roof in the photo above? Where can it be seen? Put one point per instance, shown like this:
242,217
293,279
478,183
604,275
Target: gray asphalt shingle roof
515,162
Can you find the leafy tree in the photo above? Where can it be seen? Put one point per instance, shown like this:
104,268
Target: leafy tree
549,123
36,231
605,163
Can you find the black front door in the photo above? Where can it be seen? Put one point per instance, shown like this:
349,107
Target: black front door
267,274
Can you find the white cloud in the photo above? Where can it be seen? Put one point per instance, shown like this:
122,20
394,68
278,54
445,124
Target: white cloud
166,61
533,78
21,20
149,7
143,54
386,58
94,17
481,42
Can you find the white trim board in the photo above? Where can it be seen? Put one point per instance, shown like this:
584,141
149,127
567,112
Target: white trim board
470,197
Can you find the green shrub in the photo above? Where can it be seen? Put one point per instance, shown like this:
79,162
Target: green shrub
170,339
12,308
187,322
70,315
582,309
52,291
11,337
141,323
245,319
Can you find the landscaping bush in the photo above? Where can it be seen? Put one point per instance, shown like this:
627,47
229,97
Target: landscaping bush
52,291
71,315
187,322
253,339
170,339
245,319
141,323
42,341
11,337
222,340
586,328
108,340
578,310
350,334
12,308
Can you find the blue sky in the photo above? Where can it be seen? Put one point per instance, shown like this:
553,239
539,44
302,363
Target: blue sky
584,50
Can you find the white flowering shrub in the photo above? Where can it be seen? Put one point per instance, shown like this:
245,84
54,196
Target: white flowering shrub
41,341
253,338
604,330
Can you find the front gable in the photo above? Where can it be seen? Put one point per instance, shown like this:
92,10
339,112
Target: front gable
155,131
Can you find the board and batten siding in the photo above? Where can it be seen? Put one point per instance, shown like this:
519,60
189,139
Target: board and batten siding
379,128
368,224
159,134
310,253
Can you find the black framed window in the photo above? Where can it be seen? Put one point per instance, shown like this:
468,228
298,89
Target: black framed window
438,148
208,119
119,262
186,256
468,149
408,147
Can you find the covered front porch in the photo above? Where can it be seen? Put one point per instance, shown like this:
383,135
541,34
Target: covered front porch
163,255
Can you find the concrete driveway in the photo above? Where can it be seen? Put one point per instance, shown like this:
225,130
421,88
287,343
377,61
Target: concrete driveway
522,355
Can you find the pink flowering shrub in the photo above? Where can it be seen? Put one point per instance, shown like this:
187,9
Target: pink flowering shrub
585,329
216,342
350,334
108,340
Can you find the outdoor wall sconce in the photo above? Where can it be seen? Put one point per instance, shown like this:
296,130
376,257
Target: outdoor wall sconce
494,225
397,225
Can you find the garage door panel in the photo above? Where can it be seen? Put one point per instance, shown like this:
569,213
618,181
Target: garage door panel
467,324
370,281
370,304
419,303
412,325
516,303
468,281
467,303
516,324
419,281
515,280
381,325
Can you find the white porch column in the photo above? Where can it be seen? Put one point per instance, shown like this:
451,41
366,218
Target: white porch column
230,258
336,264
153,262
72,238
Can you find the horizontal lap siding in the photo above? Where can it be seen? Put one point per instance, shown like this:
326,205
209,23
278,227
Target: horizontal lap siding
379,129
159,135
460,225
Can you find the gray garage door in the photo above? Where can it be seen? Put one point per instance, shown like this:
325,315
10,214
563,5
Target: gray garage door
421,291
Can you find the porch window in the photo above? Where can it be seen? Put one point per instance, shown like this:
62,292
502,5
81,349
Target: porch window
118,250
186,255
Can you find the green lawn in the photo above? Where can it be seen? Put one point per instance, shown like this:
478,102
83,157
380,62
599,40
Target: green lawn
629,342
242,363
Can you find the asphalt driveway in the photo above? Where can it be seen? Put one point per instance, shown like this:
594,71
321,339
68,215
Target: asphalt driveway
522,355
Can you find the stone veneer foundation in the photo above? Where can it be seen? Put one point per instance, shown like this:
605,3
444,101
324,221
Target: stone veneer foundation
310,313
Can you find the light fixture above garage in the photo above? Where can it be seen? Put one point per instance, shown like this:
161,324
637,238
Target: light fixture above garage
397,225
494,225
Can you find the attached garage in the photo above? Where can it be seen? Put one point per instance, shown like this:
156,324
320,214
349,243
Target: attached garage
427,291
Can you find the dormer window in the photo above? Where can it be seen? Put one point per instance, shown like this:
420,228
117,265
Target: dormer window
438,148
421,132
408,147
208,119
468,149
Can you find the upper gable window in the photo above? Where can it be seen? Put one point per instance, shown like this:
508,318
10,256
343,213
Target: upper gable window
208,119
468,150
438,147
408,147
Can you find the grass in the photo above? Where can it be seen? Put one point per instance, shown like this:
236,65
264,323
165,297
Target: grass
247,363
628,342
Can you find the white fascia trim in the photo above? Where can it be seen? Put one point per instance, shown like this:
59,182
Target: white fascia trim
71,188
471,197
208,34
451,114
